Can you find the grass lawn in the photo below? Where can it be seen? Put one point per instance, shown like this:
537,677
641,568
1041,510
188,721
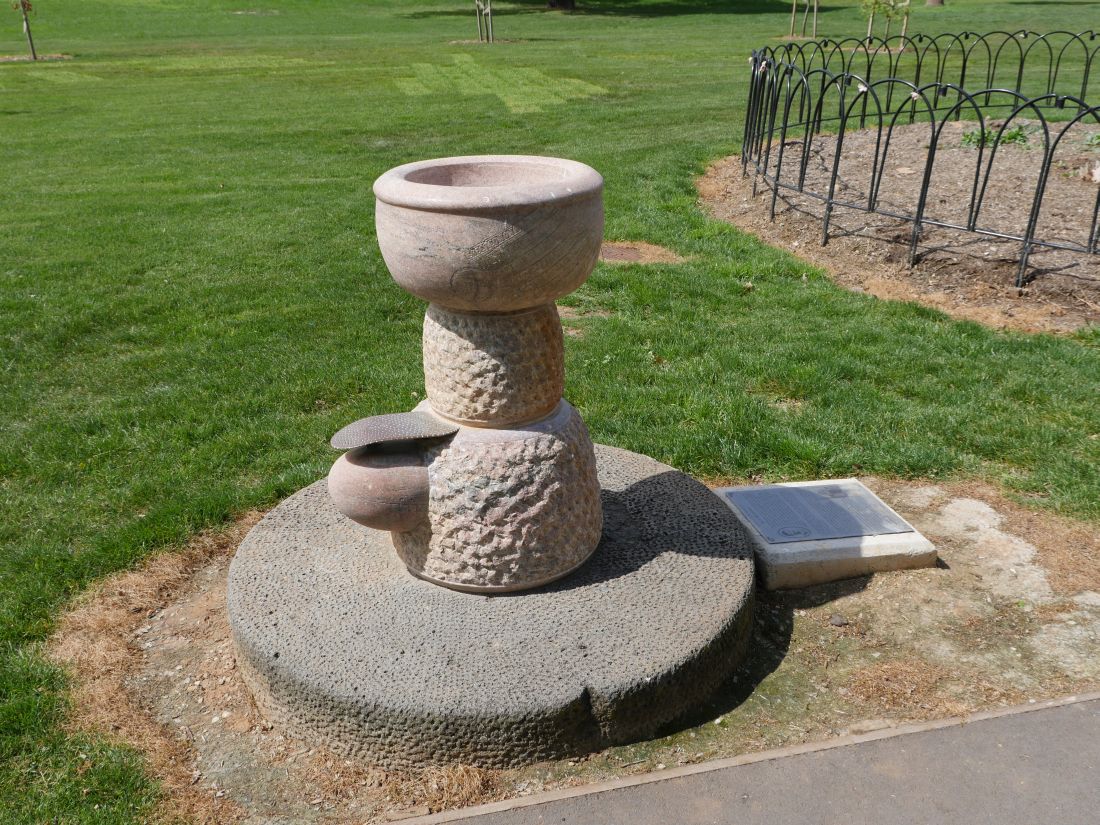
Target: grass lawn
192,301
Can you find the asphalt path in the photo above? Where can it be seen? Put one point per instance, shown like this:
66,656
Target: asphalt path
1031,768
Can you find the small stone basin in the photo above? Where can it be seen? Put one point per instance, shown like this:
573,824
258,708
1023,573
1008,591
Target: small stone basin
522,176
491,232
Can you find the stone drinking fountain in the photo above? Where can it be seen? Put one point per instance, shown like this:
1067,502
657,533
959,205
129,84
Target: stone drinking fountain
475,581
494,487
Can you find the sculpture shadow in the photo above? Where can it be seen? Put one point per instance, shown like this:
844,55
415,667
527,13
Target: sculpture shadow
773,627
672,513
669,512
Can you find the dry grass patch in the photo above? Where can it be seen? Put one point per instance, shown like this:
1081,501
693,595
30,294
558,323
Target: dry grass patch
916,689
26,58
568,313
573,318
96,642
908,687
443,788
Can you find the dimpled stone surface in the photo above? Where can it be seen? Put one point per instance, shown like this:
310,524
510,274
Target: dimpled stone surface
342,645
508,508
495,369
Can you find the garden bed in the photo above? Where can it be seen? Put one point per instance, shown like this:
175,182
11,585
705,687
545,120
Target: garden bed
964,274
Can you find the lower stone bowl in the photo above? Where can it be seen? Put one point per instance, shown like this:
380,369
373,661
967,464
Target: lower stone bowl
340,644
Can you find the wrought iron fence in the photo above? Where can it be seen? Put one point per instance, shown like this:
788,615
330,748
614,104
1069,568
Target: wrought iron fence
800,93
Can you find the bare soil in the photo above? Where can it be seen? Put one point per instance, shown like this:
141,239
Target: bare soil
965,275
637,252
575,318
1011,615
26,58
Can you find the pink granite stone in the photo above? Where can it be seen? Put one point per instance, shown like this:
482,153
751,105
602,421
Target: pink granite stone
490,233
383,486
511,499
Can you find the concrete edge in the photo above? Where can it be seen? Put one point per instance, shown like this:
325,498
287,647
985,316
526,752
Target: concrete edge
745,759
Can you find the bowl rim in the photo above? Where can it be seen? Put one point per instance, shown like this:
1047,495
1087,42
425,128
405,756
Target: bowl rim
580,181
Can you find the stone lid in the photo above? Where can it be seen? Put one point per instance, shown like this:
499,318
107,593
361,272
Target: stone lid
480,182
379,429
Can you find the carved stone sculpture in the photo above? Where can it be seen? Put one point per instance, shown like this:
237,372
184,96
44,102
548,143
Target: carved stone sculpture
493,485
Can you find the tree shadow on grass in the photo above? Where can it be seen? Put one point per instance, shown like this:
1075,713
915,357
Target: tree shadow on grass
621,8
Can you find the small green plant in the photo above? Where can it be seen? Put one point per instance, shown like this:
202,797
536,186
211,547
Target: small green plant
976,138
1093,141
890,10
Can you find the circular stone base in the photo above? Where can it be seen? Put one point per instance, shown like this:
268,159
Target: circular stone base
340,643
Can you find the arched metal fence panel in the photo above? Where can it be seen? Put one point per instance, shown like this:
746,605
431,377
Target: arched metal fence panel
800,91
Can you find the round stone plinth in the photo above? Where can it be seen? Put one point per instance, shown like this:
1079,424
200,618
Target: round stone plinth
341,644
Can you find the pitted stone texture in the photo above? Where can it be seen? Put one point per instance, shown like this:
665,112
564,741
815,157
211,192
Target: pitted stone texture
343,646
508,509
495,369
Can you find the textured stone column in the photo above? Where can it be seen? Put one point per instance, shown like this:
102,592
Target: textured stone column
493,369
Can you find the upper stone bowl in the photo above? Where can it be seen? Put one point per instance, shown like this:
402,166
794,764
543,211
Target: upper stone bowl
490,233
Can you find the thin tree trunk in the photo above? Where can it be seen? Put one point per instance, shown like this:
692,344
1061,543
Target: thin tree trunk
27,29
805,16
904,27
871,24
794,16
815,19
